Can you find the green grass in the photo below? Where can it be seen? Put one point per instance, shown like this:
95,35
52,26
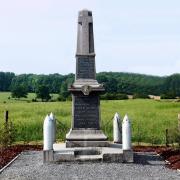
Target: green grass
149,118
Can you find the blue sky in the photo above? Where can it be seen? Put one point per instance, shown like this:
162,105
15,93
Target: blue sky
39,36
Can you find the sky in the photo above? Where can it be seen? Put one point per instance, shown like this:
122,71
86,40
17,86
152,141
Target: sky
39,36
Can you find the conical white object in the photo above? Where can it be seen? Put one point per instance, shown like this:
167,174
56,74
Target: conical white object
54,126
48,133
126,133
117,129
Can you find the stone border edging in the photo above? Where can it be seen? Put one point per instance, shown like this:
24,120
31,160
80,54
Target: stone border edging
2,169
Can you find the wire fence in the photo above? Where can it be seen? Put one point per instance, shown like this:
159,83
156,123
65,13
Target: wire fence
8,133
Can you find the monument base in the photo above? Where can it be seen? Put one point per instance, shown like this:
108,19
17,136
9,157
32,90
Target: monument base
86,138
112,153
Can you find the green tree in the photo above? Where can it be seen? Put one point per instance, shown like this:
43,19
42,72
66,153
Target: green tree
5,80
64,90
43,93
172,85
19,91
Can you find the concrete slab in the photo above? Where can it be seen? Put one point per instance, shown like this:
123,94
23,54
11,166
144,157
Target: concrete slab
112,153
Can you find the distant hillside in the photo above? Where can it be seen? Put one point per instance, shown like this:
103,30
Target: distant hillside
134,77
131,83
114,82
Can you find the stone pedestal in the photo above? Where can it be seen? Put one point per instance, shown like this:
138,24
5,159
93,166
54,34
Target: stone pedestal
85,131
86,138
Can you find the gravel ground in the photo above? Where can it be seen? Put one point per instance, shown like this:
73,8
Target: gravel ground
147,166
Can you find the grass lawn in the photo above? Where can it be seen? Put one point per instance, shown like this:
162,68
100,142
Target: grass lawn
149,118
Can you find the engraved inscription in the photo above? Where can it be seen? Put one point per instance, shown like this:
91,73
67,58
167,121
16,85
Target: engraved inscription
85,68
86,112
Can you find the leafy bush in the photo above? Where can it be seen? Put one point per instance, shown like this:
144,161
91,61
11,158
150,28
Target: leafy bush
169,95
61,98
69,98
173,136
140,96
34,100
8,134
121,96
113,96
177,137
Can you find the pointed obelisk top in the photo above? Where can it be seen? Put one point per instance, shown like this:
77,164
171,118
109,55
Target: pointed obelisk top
85,77
85,37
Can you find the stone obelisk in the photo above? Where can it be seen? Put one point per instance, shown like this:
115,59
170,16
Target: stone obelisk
85,130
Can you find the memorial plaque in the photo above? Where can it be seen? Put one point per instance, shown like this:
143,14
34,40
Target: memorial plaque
85,68
86,112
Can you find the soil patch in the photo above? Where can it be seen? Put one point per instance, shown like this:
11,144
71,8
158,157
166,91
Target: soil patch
172,156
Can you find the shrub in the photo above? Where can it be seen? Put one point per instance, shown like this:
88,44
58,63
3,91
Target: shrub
140,96
8,134
174,136
121,96
168,96
69,98
61,98
34,100
113,96
177,136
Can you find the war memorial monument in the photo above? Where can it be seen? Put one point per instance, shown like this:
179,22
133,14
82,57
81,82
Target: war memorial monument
85,140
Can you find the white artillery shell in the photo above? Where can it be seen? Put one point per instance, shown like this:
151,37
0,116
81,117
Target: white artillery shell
117,129
54,126
48,133
126,133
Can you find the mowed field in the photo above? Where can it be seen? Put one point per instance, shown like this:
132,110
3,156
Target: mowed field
149,118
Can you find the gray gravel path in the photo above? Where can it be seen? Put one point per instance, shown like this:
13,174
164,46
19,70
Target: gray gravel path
147,166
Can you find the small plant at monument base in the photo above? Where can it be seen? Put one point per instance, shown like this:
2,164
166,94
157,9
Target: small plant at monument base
173,137
8,134
177,137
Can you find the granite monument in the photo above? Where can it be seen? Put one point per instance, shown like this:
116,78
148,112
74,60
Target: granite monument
85,90
86,141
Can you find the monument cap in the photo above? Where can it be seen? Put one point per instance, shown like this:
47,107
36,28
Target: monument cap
85,12
85,37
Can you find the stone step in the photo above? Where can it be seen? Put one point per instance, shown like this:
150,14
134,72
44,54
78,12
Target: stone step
63,155
91,158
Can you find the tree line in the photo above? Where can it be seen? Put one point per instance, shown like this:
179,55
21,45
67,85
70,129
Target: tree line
115,83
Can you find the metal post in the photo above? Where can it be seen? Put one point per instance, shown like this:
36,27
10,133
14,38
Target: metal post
179,122
6,116
167,140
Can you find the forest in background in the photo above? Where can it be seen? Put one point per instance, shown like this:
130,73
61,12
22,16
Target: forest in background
114,83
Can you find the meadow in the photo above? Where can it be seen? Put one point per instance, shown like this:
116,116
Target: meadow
149,118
